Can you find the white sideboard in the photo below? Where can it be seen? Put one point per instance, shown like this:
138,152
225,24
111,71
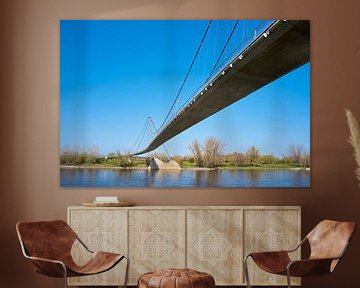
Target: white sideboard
211,239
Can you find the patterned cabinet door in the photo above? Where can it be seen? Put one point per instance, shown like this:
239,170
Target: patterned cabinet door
156,240
270,230
101,230
214,244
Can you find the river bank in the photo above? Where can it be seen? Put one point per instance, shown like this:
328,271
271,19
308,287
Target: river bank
186,168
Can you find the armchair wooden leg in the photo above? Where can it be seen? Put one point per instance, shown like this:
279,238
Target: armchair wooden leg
246,270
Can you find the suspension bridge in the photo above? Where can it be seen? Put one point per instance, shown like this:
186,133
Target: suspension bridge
279,48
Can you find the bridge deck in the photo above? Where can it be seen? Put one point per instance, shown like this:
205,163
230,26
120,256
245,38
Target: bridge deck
286,48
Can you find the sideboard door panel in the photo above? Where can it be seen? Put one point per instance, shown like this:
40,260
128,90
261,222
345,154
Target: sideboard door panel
214,244
270,230
101,230
156,240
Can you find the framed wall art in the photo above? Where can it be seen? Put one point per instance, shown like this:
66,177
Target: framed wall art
185,103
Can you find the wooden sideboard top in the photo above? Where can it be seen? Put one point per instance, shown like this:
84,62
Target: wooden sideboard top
192,207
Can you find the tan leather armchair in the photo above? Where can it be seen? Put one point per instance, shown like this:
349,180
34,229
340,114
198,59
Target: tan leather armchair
328,242
48,245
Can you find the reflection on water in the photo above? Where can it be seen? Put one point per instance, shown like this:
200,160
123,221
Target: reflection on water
183,178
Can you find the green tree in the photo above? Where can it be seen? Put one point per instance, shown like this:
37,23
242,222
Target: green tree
196,149
213,150
305,159
295,153
74,156
268,159
238,159
252,156
121,160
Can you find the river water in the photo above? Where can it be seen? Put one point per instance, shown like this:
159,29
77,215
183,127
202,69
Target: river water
82,177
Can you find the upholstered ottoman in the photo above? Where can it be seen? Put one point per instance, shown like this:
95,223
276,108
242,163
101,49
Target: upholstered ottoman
176,278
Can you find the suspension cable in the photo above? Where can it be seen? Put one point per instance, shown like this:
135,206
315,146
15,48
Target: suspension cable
139,136
153,132
142,135
222,51
187,74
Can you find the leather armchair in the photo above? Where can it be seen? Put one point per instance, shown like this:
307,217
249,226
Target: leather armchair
48,245
328,242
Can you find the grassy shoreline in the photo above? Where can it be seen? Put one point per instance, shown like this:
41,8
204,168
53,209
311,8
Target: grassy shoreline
273,167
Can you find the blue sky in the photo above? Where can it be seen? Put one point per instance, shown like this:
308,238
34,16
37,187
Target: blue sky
115,74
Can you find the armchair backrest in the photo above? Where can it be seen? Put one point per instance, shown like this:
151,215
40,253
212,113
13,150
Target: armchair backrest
46,239
329,239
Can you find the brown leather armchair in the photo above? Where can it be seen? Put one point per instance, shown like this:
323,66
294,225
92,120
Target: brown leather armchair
48,245
328,242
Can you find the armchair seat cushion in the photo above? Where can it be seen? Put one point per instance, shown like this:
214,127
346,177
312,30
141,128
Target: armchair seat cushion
99,262
272,262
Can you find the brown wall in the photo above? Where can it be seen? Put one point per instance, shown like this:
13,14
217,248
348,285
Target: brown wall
29,119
